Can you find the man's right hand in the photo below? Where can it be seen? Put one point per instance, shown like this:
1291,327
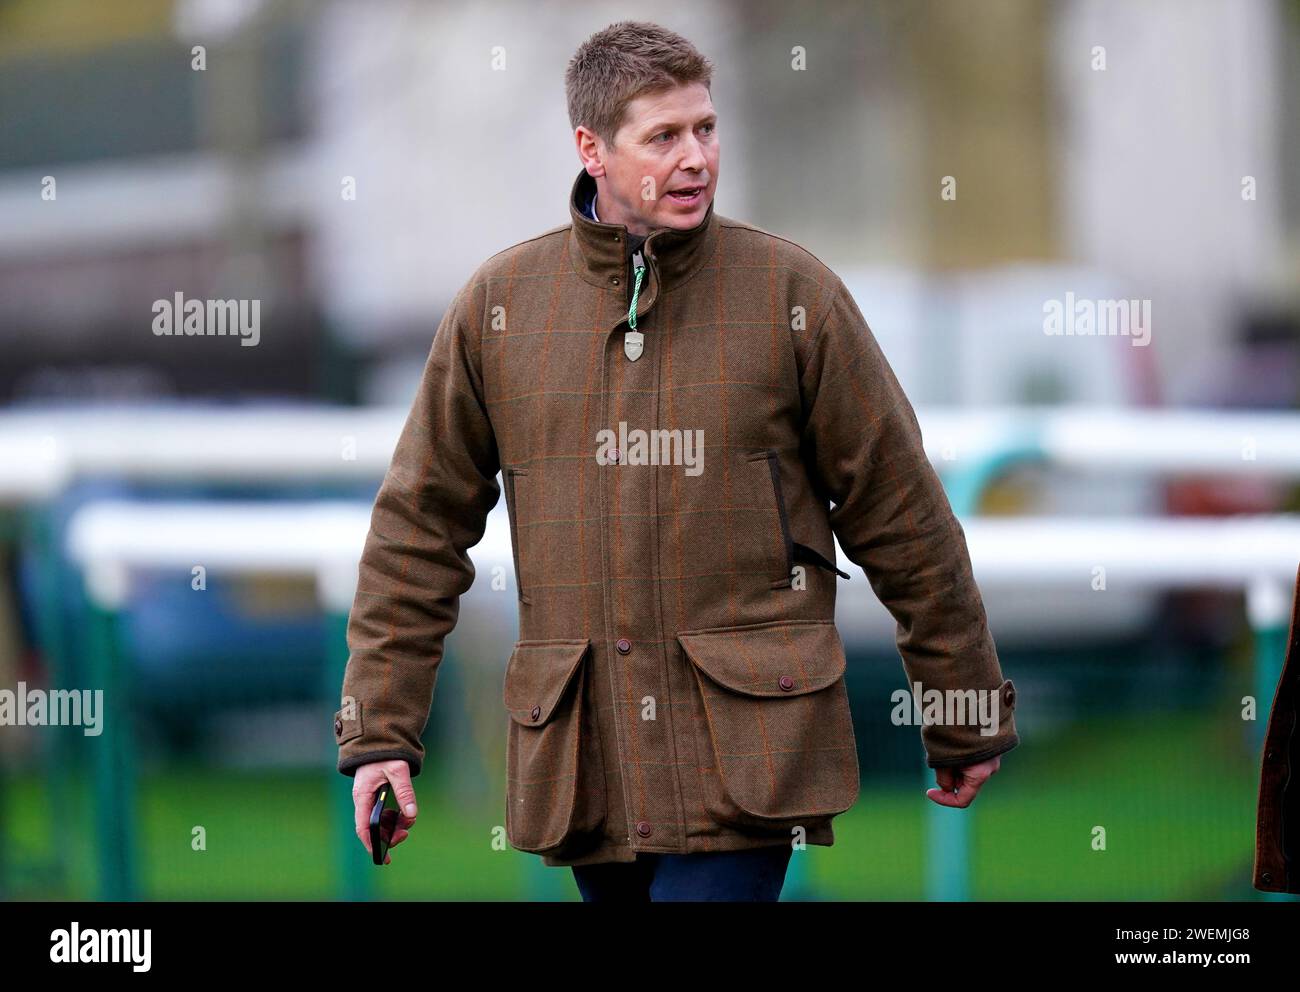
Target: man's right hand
370,777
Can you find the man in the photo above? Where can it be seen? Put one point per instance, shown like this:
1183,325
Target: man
675,400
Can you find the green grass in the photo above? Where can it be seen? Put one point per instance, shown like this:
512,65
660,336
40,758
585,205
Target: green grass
265,836
1175,794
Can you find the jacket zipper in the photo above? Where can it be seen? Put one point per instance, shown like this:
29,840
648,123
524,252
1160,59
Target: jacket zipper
633,340
638,271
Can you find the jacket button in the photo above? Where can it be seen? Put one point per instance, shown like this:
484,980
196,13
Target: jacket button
623,645
614,280
614,456
1266,878
643,828
338,726
785,682
536,712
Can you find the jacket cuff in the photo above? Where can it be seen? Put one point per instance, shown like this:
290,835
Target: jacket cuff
348,727
1001,748
950,747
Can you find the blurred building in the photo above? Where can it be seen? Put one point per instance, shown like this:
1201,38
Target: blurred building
350,163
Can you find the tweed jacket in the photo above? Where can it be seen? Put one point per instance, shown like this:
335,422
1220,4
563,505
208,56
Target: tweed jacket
1277,823
679,683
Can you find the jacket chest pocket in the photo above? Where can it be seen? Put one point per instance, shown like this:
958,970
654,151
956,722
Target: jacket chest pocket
777,545
773,710
554,778
777,535
516,480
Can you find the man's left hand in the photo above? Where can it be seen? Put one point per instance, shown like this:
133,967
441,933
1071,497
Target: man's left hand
959,786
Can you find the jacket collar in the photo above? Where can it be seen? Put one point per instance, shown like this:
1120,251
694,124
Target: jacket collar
599,251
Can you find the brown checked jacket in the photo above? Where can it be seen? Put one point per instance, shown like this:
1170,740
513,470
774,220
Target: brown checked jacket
1277,820
678,684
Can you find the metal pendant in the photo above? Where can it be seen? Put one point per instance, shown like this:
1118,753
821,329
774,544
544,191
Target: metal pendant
633,345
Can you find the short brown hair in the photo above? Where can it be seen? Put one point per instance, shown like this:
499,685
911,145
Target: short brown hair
615,66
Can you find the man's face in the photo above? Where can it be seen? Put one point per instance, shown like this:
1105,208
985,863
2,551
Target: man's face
668,142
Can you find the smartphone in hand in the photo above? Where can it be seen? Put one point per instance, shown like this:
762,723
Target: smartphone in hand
383,822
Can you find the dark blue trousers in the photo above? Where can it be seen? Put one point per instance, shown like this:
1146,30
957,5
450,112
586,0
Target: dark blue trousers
754,875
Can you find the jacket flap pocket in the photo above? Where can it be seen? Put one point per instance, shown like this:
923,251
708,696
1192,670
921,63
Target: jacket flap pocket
774,710
537,675
781,658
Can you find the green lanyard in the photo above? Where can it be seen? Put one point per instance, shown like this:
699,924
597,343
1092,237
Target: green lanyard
636,289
